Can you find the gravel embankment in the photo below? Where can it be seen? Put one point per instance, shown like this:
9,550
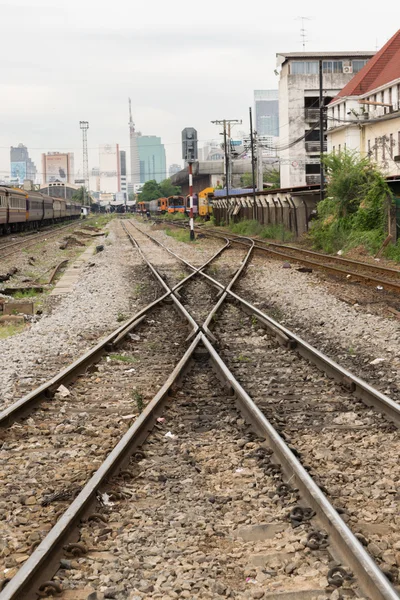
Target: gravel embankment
113,286
349,334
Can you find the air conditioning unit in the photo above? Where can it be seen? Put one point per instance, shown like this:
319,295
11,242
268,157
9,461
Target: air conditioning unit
348,69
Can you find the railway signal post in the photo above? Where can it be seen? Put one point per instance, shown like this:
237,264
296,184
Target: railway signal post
189,154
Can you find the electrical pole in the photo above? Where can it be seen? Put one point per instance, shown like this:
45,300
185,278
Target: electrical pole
253,164
227,123
84,125
321,132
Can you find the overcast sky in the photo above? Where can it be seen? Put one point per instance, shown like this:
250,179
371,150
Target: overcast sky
183,64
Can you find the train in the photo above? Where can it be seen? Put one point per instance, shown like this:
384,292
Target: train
21,210
202,204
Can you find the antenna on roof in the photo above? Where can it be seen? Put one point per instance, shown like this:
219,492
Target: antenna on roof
303,30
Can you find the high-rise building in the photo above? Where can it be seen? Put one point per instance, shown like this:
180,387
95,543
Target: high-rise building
299,135
133,140
22,167
152,158
122,162
109,168
267,112
58,167
175,168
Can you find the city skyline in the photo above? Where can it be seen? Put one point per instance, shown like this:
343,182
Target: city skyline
99,55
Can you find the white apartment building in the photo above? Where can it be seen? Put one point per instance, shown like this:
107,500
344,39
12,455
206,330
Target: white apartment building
109,168
365,115
299,136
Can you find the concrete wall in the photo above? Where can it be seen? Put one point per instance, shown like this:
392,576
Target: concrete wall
293,211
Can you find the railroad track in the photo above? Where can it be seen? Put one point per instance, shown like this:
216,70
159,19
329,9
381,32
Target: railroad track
8,249
351,270
245,471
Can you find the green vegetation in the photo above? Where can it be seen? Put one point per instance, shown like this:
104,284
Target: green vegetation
12,329
153,190
271,176
25,294
121,317
355,211
243,358
138,398
81,195
123,358
251,227
175,217
181,235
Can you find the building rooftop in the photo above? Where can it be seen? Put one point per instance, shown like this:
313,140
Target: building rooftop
383,68
284,56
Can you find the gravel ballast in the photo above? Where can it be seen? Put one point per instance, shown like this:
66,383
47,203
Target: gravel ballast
105,293
349,334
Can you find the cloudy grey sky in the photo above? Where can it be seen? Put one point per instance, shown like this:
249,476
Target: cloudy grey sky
183,64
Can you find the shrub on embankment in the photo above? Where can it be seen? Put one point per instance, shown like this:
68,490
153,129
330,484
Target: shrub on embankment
355,211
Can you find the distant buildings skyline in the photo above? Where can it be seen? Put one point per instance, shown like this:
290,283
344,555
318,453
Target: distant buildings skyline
21,165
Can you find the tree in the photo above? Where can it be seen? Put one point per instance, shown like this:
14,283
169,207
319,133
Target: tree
168,189
81,195
150,191
271,176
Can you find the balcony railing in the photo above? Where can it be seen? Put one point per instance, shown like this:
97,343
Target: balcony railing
312,179
311,114
315,146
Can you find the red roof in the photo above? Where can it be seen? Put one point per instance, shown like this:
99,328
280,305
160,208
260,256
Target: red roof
380,69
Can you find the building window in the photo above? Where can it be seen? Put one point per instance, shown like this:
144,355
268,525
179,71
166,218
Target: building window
334,149
304,68
391,144
383,147
339,148
332,66
358,65
369,147
376,149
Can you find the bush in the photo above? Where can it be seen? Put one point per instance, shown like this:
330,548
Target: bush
355,211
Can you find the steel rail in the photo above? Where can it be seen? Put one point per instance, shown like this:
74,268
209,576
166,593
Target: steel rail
358,386
364,278
370,578
45,558
48,389
37,239
179,306
44,561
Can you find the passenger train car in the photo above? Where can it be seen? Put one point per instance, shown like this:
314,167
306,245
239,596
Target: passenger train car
195,205
176,204
21,210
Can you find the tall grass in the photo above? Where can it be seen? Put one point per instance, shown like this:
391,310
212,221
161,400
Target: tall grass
251,227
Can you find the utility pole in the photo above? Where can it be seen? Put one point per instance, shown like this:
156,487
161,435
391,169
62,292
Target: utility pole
252,164
260,174
321,131
84,125
227,123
